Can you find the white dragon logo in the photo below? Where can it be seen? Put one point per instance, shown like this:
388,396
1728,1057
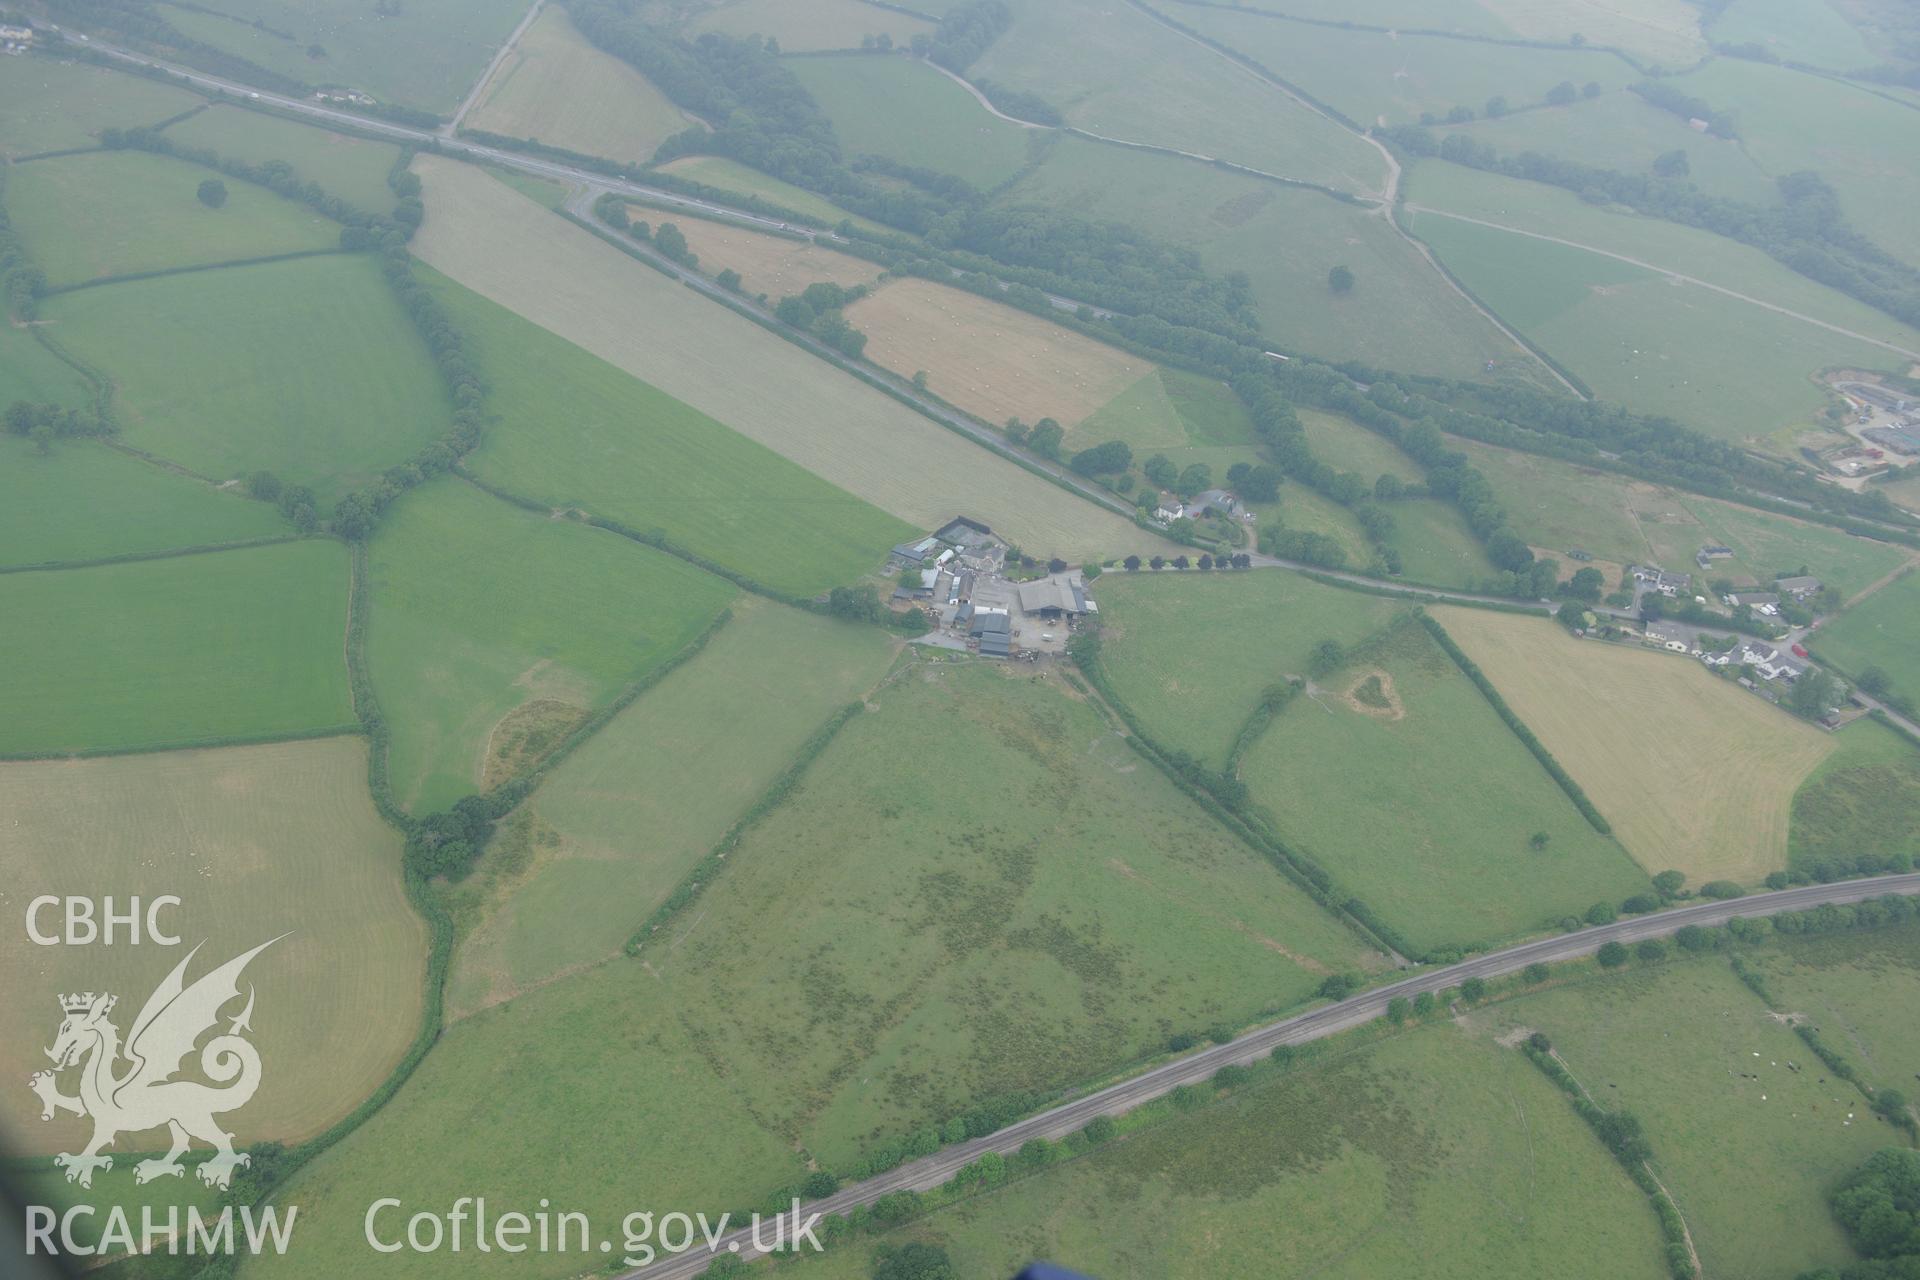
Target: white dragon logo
145,1096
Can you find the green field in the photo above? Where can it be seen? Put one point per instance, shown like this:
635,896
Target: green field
1808,31
729,175
1402,314
353,388
1377,79
111,213
1621,130
1434,1154
1184,416
907,111
1790,120
629,452
1879,632
1747,1145
354,169
1665,31
805,25
1858,990
486,618
1345,445
1259,626
31,372
1557,506
1115,71
424,53
1864,798
256,842
50,106
1654,344
625,817
234,644
85,501
1424,804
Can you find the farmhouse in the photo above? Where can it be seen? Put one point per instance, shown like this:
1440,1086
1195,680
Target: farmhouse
1654,578
1801,588
1765,602
1668,634
1708,554
1771,663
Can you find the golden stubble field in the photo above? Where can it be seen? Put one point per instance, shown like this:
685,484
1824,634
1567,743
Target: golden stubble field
1694,773
994,361
772,265
505,247
256,842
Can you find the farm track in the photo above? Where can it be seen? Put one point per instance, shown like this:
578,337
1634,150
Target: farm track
1115,1099
493,68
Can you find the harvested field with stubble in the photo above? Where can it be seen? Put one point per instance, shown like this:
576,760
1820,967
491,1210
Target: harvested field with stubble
507,248
773,265
994,361
257,842
1693,772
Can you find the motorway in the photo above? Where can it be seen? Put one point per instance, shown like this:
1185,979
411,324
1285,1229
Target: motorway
1115,1099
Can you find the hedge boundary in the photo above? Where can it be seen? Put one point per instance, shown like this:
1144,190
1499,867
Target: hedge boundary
170,553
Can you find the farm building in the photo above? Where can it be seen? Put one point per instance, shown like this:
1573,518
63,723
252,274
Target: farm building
1212,500
917,552
1708,554
1800,588
986,622
1056,596
1759,601
996,645
1657,579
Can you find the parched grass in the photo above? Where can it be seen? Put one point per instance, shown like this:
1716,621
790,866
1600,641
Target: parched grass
84,501
770,265
1424,804
625,451
730,175
942,952
256,842
1694,773
803,26
309,369
753,380
1863,799
114,212
1259,628
1114,70
1435,1153
1747,1144
353,168
1858,991
993,360
425,54
479,607
1402,314
1656,344
232,644
1880,631
558,88
1378,79
907,111
50,106
628,814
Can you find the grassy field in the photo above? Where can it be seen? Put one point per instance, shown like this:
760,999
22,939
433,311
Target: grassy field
1665,31
1345,1169
1397,776
1864,798
909,112
1558,505
803,26
1261,628
770,265
1401,314
946,950
1858,990
29,371
355,169
730,175
1808,31
487,619
624,818
354,388
87,216
1693,772
1169,411
1621,130
626,451
1345,445
510,250
256,841
1113,70
50,106
1879,632
994,361
1377,79
560,89
84,501
427,53
236,643
1790,120
1653,343
1747,1145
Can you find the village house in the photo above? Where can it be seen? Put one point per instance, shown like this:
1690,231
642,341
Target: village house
1801,588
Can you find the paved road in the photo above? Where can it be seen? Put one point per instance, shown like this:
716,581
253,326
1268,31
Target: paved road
932,1171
